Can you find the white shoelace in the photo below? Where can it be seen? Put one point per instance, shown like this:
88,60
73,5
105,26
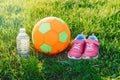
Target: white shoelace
76,46
89,47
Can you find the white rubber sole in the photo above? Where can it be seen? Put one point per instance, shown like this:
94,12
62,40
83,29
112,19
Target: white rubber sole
83,57
74,58
90,57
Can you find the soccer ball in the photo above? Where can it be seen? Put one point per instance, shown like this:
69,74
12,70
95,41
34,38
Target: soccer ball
51,35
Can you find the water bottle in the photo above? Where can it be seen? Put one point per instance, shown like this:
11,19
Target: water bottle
23,43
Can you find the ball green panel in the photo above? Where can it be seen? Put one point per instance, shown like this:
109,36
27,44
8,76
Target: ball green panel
63,36
45,27
46,48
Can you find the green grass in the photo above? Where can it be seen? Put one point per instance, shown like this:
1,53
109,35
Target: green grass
99,16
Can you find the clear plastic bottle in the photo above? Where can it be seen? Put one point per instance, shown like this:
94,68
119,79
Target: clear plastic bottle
23,43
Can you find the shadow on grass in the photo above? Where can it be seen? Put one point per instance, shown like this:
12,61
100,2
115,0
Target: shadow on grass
59,67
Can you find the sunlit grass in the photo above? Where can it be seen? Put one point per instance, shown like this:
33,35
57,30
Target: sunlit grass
99,16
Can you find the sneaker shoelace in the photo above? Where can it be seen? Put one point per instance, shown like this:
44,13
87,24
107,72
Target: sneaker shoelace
76,46
89,47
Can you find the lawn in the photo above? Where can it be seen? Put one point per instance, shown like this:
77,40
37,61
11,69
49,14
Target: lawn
101,17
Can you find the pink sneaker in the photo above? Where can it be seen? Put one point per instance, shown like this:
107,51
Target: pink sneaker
91,48
77,47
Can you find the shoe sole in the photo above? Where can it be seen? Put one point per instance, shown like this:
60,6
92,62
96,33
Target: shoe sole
74,58
91,58
82,57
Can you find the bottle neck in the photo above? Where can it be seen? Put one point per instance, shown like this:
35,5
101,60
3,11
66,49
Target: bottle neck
22,30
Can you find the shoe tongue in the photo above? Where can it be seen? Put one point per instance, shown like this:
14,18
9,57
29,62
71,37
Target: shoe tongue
78,41
92,41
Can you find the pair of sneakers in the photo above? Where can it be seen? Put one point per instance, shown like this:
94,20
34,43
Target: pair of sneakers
84,48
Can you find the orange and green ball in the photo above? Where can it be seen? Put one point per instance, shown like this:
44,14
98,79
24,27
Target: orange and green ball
51,35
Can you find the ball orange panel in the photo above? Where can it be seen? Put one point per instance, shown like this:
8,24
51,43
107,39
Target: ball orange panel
57,26
38,39
58,46
51,38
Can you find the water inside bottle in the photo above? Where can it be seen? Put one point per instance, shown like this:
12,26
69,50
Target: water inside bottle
23,43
